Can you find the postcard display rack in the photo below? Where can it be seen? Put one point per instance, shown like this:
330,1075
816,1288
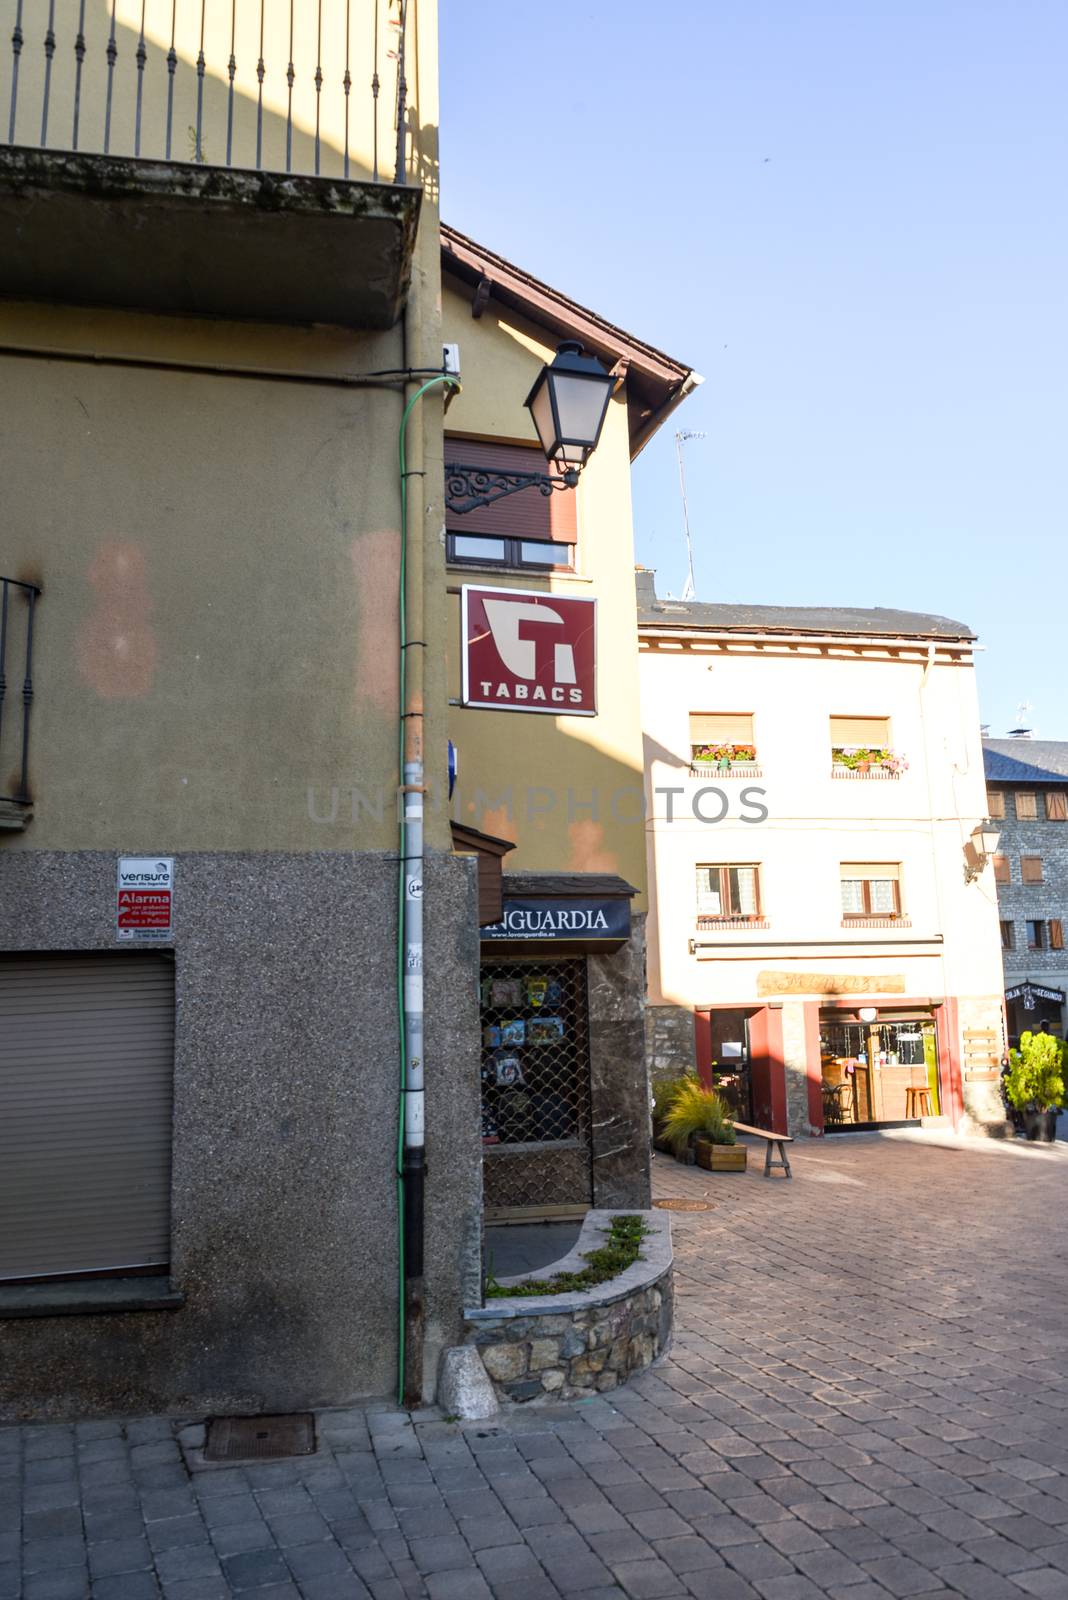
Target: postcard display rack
535,1083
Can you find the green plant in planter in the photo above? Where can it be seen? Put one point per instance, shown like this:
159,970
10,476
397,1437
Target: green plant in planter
697,1111
1035,1079
665,1090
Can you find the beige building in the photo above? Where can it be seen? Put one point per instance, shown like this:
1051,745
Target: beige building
564,1096
823,929
219,297
225,298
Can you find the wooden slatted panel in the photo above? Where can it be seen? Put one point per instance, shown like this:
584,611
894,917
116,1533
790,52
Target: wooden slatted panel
86,1068
526,515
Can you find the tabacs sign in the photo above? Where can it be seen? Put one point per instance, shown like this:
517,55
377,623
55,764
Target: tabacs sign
529,651
591,921
145,894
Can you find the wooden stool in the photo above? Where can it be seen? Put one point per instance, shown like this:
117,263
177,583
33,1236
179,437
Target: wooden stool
918,1102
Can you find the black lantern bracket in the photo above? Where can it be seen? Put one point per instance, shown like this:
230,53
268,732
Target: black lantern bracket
469,488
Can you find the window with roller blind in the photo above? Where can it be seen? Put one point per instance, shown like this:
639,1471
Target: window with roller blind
870,889
86,1070
860,733
722,739
527,530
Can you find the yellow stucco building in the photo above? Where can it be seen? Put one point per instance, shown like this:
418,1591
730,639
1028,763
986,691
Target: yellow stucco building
233,655
559,795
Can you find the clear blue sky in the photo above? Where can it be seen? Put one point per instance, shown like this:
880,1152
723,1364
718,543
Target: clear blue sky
851,217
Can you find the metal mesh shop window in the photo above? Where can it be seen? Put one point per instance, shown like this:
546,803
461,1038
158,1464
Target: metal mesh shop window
535,1085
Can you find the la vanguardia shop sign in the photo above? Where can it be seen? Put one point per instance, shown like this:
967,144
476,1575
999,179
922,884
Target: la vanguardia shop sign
591,920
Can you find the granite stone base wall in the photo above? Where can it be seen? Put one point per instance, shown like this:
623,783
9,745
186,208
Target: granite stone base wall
619,1082
565,1346
284,1135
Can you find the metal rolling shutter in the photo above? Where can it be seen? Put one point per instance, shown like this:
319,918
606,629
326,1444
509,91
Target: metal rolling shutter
86,1068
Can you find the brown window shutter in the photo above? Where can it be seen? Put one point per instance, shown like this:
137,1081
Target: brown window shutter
1031,869
1026,805
1056,934
995,804
86,1069
1001,870
528,514
1056,806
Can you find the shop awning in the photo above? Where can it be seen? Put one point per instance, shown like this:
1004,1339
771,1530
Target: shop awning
490,852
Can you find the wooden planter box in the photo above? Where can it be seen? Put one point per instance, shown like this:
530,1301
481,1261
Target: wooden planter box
720,1157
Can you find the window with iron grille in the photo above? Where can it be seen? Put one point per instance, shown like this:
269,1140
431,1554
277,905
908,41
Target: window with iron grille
535,1085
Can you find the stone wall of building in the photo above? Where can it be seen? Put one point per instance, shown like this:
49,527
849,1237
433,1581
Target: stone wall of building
565,1346
795,1067
669,1039
619,1081
1019,902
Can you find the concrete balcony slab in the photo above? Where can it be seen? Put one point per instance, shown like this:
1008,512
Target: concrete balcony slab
176,237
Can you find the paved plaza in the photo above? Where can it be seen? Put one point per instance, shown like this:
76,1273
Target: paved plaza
866,1397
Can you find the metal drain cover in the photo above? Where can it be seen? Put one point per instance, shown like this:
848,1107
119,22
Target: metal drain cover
683,1205
260,1438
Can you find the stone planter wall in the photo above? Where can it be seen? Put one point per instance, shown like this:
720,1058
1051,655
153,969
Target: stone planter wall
568,1345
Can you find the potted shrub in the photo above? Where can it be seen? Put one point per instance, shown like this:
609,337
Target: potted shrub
663,1093
1034,1084
698,1126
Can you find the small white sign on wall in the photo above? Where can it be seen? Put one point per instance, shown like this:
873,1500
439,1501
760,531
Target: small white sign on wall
145,899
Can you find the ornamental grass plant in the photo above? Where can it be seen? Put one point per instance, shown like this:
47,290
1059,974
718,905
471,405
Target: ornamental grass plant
696,1112
665,1091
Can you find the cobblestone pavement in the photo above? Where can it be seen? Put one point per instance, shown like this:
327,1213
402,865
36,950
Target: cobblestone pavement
866,1398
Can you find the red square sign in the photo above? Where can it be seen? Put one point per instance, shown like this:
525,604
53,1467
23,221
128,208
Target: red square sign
525,650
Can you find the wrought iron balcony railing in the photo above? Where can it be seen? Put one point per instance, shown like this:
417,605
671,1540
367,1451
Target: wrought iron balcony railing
301,86
17,603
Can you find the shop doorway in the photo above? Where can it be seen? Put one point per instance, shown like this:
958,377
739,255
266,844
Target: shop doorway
875,1073
535,1077
730,1063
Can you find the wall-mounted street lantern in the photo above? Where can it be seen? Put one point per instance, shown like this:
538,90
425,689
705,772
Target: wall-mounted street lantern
983,843
568,403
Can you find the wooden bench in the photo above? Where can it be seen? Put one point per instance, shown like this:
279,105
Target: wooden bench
772,1140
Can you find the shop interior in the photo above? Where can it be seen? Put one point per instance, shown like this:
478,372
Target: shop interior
878,1066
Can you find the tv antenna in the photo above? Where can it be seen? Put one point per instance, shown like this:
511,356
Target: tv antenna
1023,729
685,434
